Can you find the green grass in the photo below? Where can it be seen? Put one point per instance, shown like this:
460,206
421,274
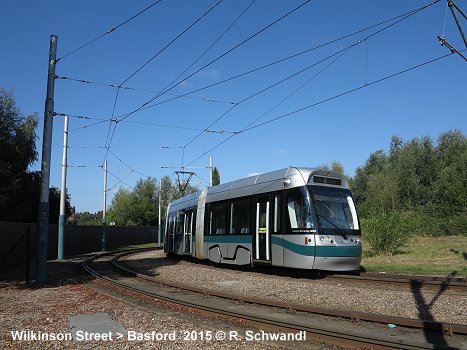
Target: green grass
422,255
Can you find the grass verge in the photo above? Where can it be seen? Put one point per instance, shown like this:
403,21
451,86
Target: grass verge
422,255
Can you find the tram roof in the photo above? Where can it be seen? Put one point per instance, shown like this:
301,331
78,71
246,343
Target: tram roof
263,183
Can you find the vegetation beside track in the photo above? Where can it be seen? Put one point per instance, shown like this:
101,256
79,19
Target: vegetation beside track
443,255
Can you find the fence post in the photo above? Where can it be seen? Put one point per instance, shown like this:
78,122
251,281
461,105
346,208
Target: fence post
28,252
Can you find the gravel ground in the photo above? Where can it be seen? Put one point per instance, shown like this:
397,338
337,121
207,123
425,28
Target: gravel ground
424,304
70,292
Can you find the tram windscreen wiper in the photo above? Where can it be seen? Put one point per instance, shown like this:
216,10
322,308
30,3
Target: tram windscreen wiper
339,228
336,228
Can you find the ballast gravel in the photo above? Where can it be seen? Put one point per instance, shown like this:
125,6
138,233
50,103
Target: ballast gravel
411,301
43,313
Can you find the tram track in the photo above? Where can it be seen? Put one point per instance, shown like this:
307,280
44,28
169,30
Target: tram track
240,307
434,282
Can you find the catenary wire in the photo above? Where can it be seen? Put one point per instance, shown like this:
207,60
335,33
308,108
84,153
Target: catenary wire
223,55
147,106
115,86
266,89
327,100
109,140
168,87
109,31
290,57
306,68
103,120
255,126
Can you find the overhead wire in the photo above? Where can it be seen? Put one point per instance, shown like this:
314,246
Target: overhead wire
249,127
329,99
147,105
291,56
166,89
400,19
200,69
264,90
374,82
206,99
109,140
103,120
109,31
222,55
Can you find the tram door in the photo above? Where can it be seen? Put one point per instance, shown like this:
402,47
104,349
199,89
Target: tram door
171,234
263,235
188,232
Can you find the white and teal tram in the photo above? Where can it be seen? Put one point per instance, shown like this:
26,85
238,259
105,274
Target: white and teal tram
295,217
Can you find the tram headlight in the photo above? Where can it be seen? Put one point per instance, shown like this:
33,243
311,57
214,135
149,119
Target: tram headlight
325,239
358,240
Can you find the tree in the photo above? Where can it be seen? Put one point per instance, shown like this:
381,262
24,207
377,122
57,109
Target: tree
450,186
337,167
216,178
420,187
54,205
140,207
121,209
19,188
359,183
146,202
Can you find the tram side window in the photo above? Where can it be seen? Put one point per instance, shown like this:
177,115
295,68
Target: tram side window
298,212
240,211
217,218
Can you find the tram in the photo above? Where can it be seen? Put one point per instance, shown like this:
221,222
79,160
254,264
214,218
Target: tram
295,217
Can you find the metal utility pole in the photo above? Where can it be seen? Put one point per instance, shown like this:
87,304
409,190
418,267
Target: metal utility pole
104,211
453,6
43,222
210,171
61,218
159,226
442,39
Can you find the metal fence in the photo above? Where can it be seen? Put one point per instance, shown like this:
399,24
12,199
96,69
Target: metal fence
77,239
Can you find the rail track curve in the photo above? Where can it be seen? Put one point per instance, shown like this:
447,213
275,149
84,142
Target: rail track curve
241,307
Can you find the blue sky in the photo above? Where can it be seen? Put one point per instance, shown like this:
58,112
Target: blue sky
426,101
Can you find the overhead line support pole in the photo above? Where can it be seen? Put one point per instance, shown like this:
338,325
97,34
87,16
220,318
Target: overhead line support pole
43,220
104,210
451,5
159,226
210,171
61,218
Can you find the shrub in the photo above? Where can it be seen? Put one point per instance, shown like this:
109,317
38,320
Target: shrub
386,233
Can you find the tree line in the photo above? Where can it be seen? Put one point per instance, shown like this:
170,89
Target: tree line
140,206
418,187
20,187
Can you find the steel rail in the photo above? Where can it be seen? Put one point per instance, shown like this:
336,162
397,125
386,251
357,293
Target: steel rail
323,333
443,327
449,282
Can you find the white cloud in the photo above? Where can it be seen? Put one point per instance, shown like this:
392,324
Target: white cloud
209,73
184,84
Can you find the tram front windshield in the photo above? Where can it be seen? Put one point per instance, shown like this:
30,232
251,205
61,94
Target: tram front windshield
335,210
